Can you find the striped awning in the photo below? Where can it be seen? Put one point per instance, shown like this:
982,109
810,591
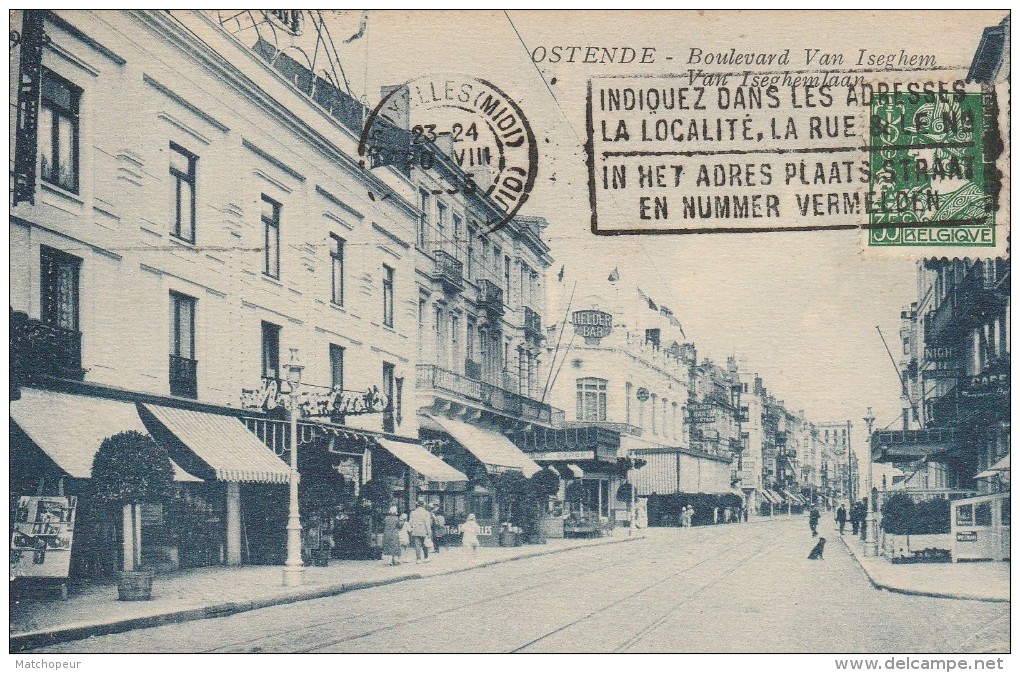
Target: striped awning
224,444
492,448
417,457
70,428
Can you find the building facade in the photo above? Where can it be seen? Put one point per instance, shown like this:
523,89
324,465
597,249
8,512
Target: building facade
184,221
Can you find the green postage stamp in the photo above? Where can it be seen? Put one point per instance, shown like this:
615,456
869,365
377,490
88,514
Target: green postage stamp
933,175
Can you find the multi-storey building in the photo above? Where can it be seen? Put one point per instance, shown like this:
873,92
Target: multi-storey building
955,368
624,364
185,214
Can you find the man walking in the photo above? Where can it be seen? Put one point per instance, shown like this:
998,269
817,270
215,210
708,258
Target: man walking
813,520
421,528
841,517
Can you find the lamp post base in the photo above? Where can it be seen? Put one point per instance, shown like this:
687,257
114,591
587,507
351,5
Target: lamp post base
871,541
293,576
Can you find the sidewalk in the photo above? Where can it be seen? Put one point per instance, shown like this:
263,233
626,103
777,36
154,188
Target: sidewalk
202,593
967,581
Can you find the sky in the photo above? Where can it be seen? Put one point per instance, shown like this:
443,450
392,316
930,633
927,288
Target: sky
800,308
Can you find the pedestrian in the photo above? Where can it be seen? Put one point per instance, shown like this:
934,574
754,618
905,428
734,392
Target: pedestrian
813,520
690,516
471,529
715,516
404,537
841,517
438,526
421,530
685,517
391,536
862,515
855,518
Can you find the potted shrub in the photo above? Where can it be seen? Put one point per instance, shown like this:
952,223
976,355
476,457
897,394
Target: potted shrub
545,484
130,469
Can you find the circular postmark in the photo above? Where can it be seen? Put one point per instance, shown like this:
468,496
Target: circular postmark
467,130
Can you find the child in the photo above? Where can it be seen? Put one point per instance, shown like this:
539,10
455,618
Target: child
471,531
404,536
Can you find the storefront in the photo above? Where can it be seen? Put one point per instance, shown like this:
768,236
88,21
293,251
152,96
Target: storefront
493,467
55,436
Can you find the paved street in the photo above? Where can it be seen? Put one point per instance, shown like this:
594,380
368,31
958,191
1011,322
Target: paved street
737,588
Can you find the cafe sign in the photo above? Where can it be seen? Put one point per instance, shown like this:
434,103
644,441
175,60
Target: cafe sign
315,403
592,325
702,413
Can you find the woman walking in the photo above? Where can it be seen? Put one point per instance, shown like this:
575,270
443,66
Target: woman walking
404,538
391,537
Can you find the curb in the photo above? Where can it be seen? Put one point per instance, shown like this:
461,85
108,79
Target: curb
917,592
22,642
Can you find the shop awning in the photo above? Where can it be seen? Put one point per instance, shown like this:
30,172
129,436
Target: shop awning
222,442
770,497
70,428
490,447
417,457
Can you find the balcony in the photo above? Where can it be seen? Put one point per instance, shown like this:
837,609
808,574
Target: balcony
438,380
532,325
490,297
183,377
39,349
449,271
888,445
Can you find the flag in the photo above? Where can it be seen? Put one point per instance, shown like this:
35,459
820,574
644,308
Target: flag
651,304
361,28
559,276
614,276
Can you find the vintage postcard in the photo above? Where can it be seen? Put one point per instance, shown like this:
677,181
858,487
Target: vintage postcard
446,332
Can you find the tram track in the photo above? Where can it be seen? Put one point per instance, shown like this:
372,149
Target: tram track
574,576
316,627
626,644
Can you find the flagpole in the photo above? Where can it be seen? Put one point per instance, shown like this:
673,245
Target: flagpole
559,340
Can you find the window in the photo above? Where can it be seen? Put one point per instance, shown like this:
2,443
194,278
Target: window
497,259
387,376
59,288
627,402
58,131
421,314
655,425
458,225
506,276
454,340
591,399
424,203
441,222
271,237
336,254
183,368
472,232
652,337
270,351
437,327
182,192
387,285
336,366
676,425
665,426
471,338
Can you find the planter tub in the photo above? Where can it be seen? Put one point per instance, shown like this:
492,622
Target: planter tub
135,585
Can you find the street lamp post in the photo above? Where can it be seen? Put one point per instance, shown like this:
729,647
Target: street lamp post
293,569
871,519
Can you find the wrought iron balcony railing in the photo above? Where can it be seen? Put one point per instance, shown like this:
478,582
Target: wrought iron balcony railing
449,271
431,377
490,297
532,324
183,377
38,348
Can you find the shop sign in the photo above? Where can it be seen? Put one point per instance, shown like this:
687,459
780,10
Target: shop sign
563,455
483,531
316,403
987,386
942,373
592,325
942,353
702,413
41,539
967,536
152,514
